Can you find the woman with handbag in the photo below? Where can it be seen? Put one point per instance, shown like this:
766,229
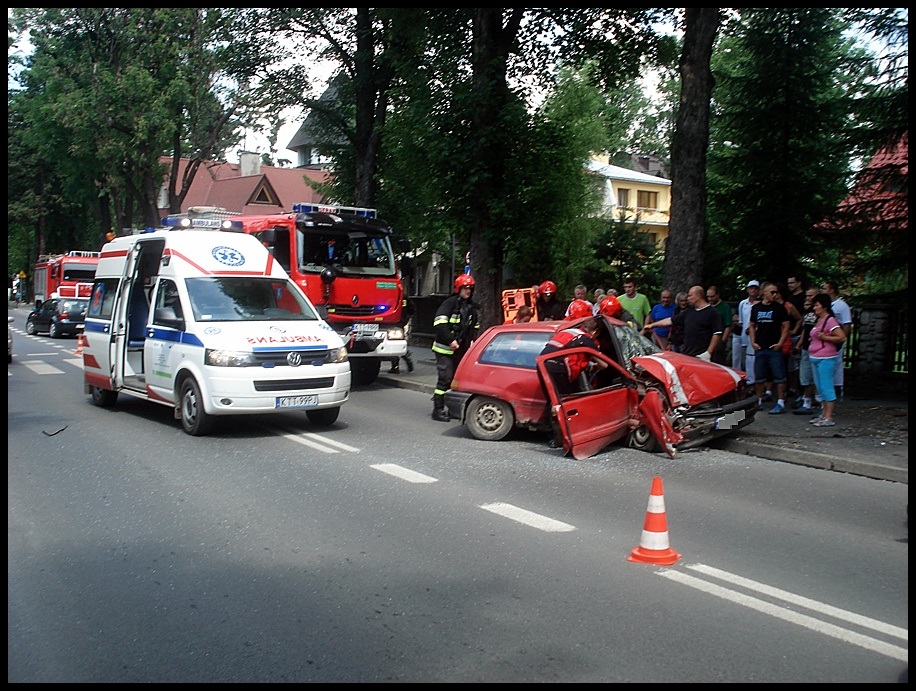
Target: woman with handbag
826,338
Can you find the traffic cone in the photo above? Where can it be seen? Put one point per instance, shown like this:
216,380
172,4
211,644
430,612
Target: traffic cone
653,544
79,344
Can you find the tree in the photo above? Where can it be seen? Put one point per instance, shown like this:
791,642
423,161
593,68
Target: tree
686,248
780,155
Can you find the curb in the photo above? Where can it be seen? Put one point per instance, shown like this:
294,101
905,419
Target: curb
812,459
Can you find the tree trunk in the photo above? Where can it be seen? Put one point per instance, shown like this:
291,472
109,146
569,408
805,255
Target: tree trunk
492,44
686,245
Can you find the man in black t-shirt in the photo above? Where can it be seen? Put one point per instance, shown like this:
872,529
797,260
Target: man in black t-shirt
701,325
768,328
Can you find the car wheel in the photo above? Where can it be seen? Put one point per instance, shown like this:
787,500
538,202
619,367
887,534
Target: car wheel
103,398
54,330
324,417
489,419
642,439
30,327
194,419
365,370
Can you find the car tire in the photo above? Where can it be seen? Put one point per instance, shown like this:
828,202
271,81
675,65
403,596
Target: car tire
489,419
194,419
324,417
54,330
365,370
30,327
642,439
103,398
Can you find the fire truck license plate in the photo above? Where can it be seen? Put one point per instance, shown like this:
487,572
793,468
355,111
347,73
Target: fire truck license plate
296,401
365,328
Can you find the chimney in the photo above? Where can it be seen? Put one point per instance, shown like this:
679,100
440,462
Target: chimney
249,163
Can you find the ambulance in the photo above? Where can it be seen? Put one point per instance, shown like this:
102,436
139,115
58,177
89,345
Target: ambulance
207,322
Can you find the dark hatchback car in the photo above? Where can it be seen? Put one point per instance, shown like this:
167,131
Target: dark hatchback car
58,317
654,400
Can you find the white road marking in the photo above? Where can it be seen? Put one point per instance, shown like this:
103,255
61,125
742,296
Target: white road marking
779,612
792,598
403,473
76,362
529,518
40,367
317,442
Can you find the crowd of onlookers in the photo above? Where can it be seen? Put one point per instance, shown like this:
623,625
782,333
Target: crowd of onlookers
788,339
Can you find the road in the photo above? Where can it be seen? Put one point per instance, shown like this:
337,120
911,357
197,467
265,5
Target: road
390,548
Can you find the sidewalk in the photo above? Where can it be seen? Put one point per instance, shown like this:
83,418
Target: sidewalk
871,437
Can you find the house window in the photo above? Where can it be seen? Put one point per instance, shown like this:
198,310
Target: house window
623,197
647,200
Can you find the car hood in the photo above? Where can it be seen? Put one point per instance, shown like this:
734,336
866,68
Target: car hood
264,336
687,379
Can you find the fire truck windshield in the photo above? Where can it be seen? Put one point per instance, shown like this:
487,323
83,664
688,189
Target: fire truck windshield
354,253
79,272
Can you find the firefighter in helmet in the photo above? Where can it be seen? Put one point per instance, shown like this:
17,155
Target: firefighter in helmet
548,307
456,325
611,307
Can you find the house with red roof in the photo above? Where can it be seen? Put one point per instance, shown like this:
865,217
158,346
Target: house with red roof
247,187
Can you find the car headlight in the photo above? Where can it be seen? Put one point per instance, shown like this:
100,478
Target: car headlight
337,355
229,358
396,334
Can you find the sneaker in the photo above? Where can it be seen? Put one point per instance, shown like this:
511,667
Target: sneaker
803,410
798,403
394,370
814,421
777,409
824,422
441,415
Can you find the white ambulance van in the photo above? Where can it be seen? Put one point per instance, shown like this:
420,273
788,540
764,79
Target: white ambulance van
207,322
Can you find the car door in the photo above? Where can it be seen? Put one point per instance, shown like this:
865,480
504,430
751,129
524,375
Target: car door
591,420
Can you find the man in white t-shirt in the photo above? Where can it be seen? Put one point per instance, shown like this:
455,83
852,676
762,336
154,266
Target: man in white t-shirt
745,358
844,316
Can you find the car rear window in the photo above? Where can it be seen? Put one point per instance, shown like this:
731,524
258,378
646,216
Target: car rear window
515,349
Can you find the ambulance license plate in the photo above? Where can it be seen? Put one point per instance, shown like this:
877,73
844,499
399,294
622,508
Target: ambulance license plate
297,401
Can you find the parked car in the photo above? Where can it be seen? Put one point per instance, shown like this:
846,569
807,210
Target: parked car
653,399
9,337
59,317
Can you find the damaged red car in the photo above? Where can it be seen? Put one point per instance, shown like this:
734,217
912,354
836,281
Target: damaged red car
650,399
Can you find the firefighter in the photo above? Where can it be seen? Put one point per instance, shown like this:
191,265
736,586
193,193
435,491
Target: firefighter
548,307
611,307
457,324
578,309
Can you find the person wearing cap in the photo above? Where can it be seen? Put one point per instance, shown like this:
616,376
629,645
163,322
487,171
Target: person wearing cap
745,359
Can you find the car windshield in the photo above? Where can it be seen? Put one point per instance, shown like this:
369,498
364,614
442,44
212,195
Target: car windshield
247,299
632,343
354,253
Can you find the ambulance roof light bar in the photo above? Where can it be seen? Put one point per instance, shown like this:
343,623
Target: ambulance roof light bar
304,208
181,222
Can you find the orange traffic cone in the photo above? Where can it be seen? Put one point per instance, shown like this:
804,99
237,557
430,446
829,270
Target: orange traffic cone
653,544
79,344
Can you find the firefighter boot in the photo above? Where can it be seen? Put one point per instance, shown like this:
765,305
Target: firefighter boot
409,360
439,411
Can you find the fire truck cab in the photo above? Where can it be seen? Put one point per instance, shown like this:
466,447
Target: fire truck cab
343,260
67,275
208,323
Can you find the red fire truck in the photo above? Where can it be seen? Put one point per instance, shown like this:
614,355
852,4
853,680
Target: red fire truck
343,259
67,275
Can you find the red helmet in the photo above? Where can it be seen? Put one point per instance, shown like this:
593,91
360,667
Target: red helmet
547,288
610,307
464,280
578,308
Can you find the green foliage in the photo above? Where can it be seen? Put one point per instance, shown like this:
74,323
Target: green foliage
776,163
623,248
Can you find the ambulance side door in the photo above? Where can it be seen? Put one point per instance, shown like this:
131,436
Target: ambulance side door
161,350
98,365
